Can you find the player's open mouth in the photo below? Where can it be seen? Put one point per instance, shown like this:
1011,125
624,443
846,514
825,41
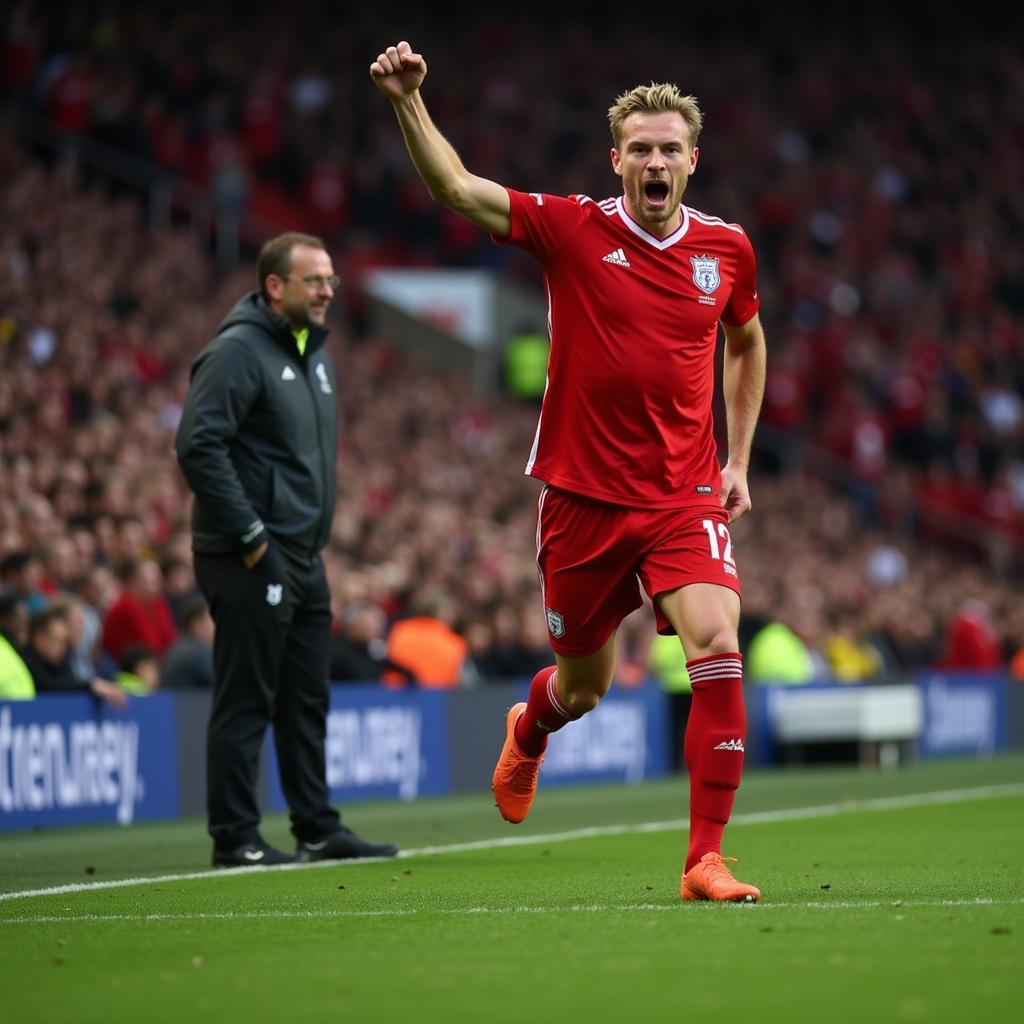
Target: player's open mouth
656,192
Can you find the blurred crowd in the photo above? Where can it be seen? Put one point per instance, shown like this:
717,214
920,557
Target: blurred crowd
882,185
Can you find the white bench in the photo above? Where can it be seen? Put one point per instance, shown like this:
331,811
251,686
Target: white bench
880,718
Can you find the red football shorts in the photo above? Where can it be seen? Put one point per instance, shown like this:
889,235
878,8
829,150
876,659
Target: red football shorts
593,556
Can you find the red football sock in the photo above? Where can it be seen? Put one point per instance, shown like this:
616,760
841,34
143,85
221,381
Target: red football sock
713,749
545,713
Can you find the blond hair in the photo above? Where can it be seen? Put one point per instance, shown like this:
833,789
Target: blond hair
656,98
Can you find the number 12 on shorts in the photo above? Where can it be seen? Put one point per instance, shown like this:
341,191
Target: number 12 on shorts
722,531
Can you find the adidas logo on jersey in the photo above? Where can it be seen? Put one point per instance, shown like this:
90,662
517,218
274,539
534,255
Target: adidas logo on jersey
618,258
736,745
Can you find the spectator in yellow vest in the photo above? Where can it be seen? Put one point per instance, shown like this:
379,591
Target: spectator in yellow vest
15,678
139,674
778,655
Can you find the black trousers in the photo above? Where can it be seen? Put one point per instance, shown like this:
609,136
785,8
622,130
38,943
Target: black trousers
270,657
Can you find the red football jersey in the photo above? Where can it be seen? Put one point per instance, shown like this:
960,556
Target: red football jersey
633,320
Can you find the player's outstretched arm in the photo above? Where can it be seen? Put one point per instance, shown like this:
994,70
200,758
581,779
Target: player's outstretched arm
743,383
399,72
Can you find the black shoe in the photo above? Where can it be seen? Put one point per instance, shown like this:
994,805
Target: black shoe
256,854
343,845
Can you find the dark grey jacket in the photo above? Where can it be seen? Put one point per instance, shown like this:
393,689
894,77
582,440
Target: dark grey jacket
258,436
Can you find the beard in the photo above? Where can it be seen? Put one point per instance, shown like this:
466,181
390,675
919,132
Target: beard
305,315
658,214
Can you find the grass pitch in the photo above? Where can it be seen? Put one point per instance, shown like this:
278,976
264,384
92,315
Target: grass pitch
887,897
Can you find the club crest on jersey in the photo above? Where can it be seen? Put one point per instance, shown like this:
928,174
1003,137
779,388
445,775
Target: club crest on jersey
321,375
556,624
705,273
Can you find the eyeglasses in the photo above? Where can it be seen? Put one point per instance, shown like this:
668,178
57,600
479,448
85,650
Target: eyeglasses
317,281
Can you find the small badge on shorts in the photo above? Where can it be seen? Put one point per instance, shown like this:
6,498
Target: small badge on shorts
556,624
704,489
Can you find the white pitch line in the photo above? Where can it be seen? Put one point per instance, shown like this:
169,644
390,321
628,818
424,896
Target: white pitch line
594,908
945,796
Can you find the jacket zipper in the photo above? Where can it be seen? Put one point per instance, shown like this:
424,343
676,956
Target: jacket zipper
323,461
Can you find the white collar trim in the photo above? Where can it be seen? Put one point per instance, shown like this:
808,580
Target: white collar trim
658,243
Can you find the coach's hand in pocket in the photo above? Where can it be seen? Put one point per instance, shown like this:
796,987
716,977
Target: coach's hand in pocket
254,556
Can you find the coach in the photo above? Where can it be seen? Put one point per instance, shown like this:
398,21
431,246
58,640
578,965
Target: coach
257,445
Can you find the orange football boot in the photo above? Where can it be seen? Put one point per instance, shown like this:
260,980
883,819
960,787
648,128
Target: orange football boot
515,776
710,879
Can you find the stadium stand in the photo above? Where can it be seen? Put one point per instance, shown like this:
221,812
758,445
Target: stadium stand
885,200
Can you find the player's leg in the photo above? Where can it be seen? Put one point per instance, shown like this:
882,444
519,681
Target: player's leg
586,562
558,695
706,618
692,577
